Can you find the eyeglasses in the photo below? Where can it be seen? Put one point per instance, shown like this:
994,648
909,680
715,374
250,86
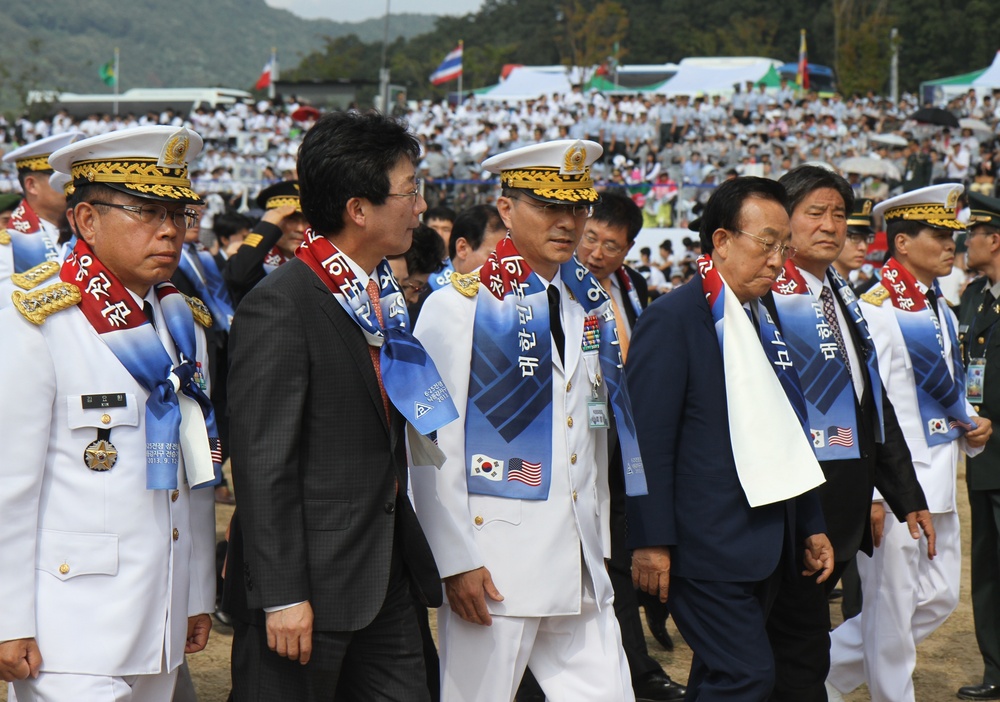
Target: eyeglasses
609,247
785,252
858,239
413,195
554,209
415,288
157,214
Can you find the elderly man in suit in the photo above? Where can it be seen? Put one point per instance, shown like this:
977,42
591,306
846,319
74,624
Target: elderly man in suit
853,425
107,565
324,377
722,428
979,315
906,595
518,514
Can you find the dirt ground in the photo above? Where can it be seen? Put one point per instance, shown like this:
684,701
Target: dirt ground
948,659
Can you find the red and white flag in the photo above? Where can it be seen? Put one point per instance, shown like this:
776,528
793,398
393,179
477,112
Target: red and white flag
265,75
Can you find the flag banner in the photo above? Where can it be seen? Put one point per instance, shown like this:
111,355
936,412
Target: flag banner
802,76
265,76
450,68
107,72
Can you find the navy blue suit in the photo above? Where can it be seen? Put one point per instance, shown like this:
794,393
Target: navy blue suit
724,554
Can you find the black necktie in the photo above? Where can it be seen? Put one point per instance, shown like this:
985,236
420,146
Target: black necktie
555,322
932,299
147,308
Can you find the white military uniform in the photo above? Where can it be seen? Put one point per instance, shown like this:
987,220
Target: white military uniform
906,595
48,231
102,572
546,557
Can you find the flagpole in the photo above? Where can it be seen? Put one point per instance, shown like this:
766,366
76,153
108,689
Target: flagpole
461,45
274,73
117,57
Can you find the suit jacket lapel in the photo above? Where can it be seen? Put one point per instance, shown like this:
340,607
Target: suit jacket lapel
355,342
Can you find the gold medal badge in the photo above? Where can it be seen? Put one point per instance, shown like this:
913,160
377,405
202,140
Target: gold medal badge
100,456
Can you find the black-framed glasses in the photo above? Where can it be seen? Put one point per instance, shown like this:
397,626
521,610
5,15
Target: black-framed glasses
783,250
857,239
157,214
609,247
412,195
554,209
415,288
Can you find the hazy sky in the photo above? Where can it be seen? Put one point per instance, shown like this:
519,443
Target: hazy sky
357,10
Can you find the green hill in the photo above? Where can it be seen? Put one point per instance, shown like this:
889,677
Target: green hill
61,44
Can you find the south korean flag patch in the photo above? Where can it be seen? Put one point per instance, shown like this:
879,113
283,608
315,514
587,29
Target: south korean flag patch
485,467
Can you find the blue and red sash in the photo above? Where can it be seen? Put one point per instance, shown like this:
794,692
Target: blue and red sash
824,375
207,279
409,376
31,241
442,278
124,327
630,292
940,393
508,430
775,347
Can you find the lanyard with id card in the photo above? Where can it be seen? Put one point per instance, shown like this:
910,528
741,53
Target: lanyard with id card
974,376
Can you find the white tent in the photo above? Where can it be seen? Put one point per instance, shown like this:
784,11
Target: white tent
525,83
710,76
990,79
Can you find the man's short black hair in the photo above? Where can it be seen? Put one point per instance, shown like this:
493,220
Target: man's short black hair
619,210
724,208
347,155
804,179
440,212
225,224
426,252
471,224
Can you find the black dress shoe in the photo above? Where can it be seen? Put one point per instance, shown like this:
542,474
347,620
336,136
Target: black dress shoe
979,692
656,620
656,686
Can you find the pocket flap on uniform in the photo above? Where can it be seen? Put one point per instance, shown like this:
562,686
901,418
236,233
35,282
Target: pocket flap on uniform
67,554
101,414
494,509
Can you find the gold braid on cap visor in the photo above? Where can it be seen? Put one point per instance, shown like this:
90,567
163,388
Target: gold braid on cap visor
34,163
935,215
282,200
141,176
550,183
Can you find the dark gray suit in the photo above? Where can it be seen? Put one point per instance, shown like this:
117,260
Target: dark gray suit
323,514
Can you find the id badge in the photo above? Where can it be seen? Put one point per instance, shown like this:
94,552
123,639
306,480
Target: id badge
597,412
974,380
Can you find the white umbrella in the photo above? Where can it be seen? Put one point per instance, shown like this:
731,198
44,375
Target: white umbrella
889,139
976,125
867,166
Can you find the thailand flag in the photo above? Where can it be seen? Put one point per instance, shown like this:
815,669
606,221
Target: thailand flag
450,68
841,436
802,76
525,472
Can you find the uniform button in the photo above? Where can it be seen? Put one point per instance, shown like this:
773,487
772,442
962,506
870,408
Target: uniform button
174,495
569,421
105,419
478,520
981,340
389,507
574,496
177,535
64,568
572,459
569,386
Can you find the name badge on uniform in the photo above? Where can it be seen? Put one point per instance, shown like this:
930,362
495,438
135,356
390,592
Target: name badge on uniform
111,399
597,413
974,380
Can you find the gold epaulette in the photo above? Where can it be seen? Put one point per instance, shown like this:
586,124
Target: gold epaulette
33,277
4,237
876,296
466,283
37,305
200,311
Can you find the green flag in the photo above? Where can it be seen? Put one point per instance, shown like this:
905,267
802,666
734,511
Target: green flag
107,73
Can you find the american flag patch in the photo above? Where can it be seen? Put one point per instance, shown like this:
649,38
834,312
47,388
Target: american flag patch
215,446
524,472
841,436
